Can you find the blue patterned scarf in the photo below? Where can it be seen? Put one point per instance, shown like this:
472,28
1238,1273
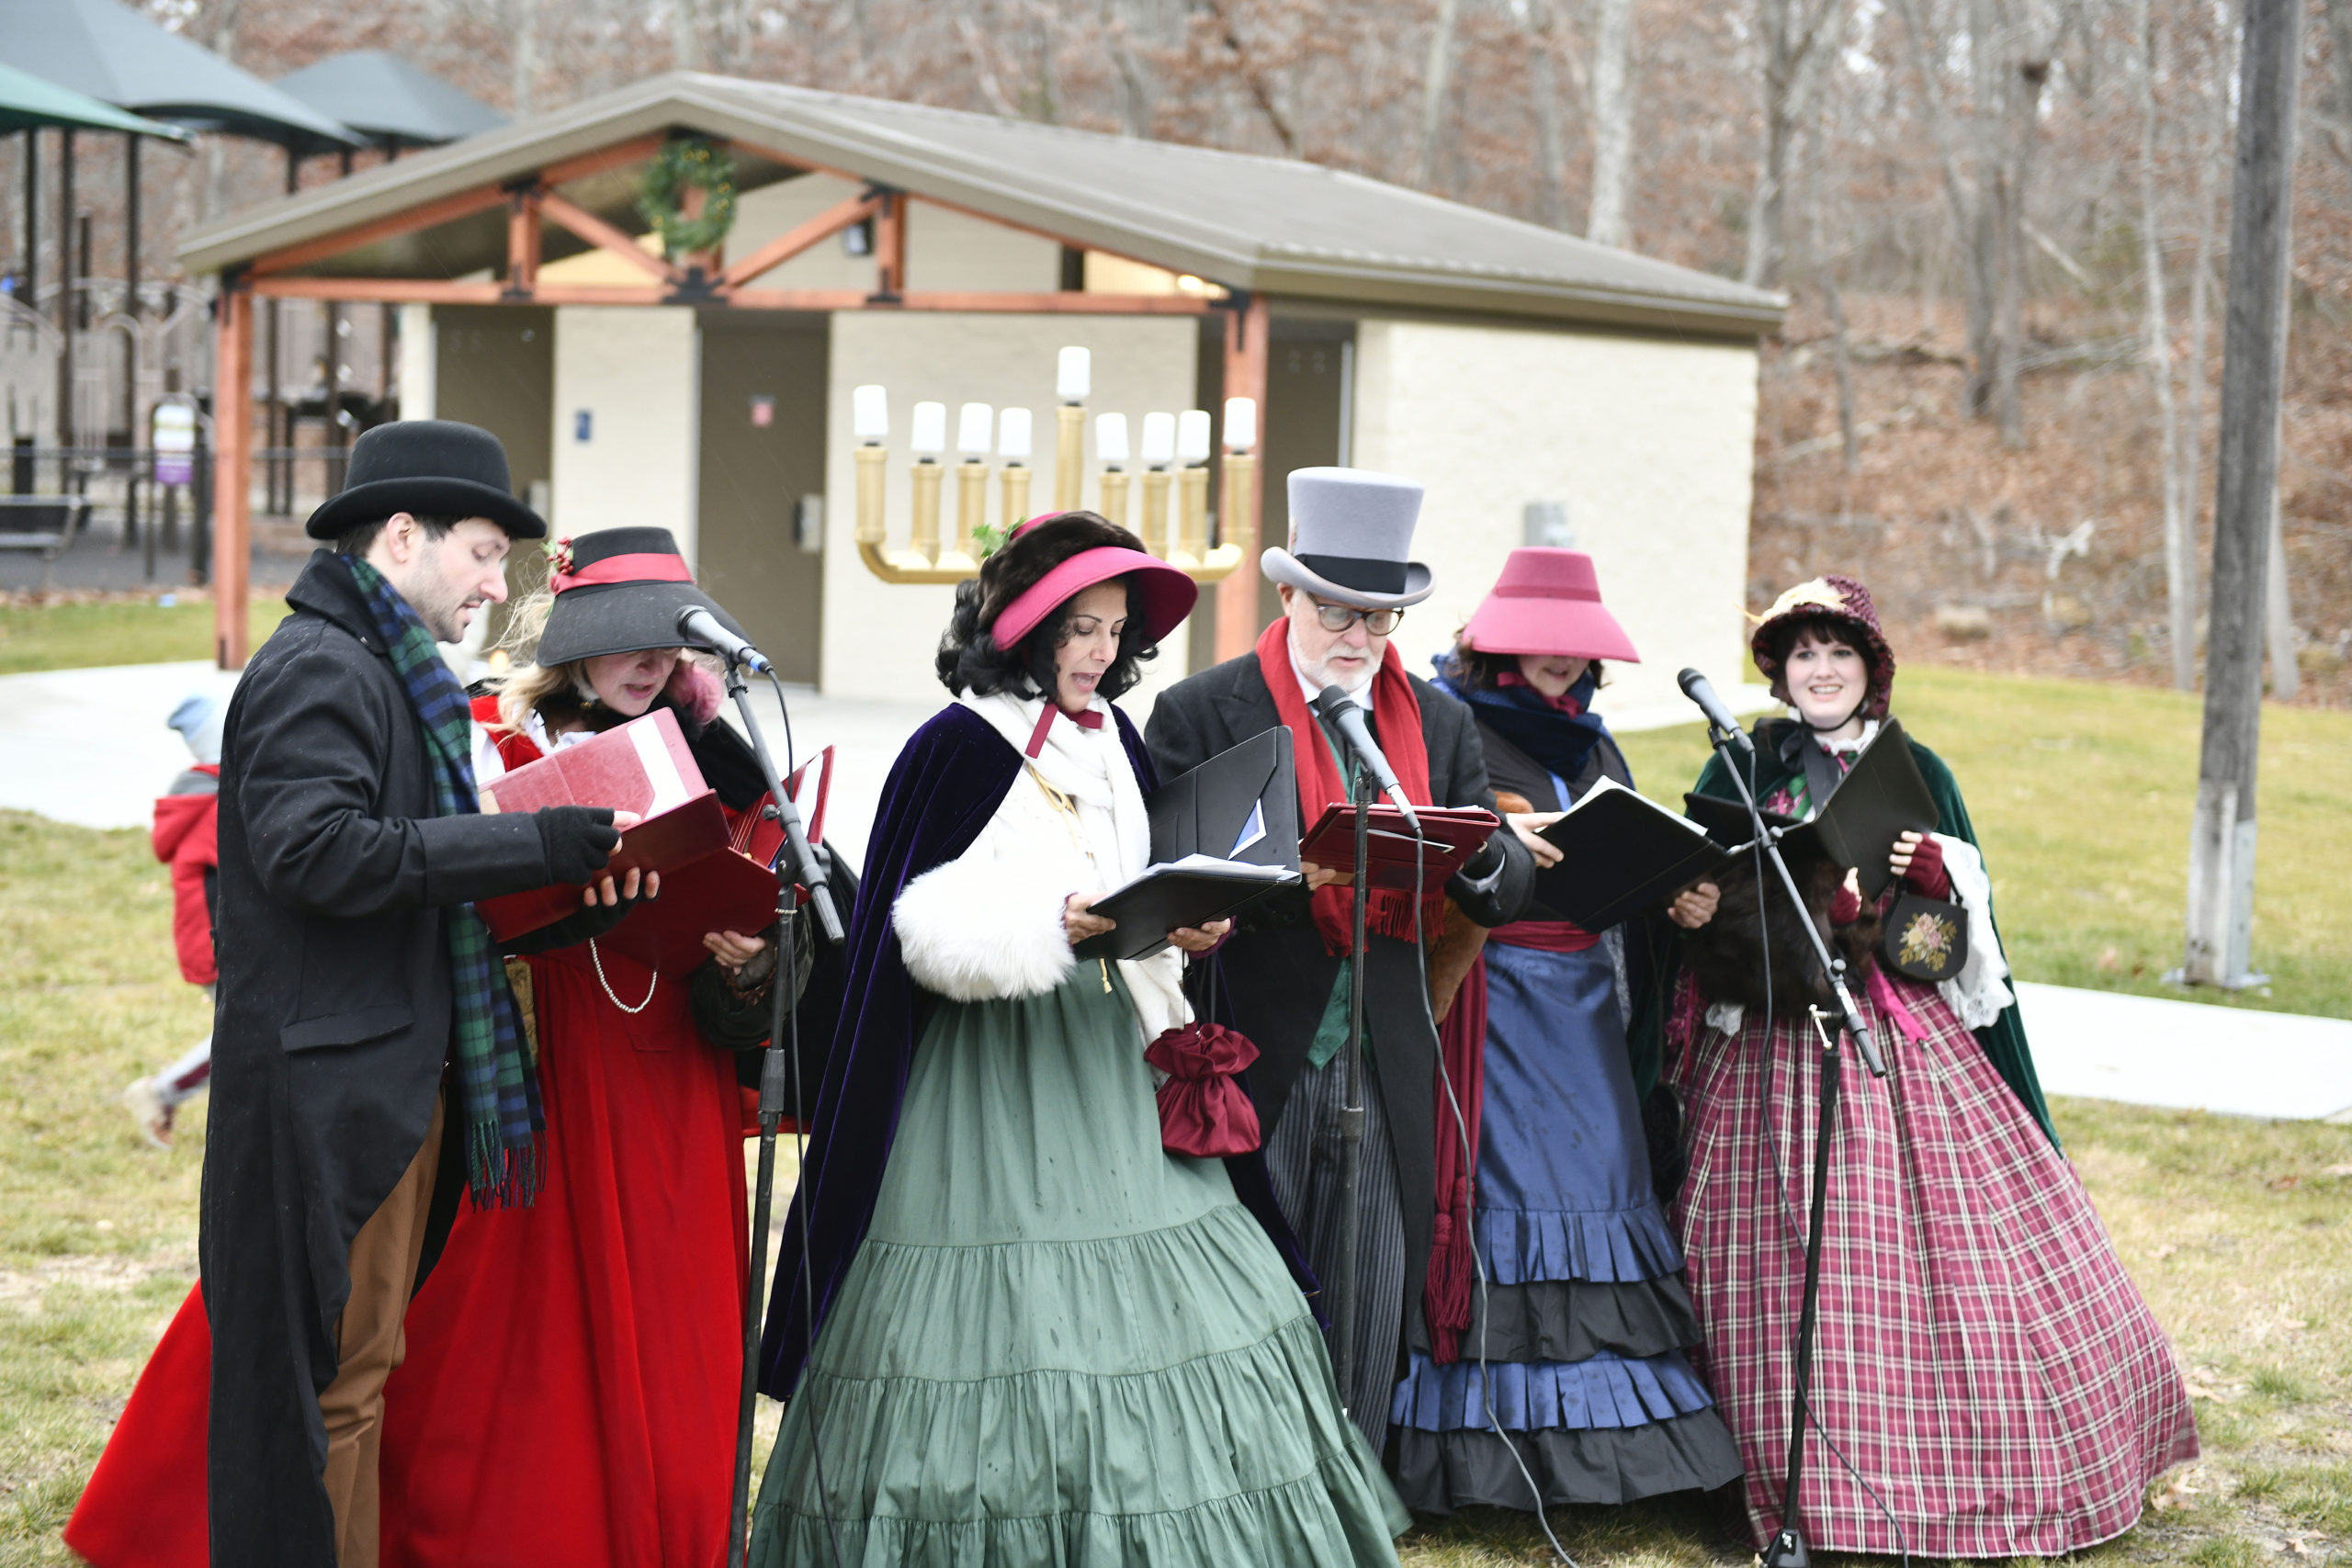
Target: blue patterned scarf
498,1094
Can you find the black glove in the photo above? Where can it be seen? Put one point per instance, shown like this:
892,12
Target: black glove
579,841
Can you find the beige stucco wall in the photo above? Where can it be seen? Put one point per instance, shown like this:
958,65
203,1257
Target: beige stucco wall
638,372
879,637
1650,443
944,249
419,383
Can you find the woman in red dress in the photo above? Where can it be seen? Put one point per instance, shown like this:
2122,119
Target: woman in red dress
573,1366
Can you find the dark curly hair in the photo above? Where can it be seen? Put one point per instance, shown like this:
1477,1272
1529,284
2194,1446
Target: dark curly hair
1476,671
969,657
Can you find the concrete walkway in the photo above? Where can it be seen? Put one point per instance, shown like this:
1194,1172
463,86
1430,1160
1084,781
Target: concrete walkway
91,747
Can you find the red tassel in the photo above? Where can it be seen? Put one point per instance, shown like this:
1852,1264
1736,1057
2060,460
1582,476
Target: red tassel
1445,1295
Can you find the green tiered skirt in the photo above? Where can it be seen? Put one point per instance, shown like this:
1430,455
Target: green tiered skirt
1059,1344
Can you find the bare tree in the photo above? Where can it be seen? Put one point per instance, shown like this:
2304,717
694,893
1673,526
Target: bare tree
1612,121
2180,589
1433,86
1792,33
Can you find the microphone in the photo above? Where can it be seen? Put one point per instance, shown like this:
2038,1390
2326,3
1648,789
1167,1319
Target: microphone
1695,686
701,630
1337,708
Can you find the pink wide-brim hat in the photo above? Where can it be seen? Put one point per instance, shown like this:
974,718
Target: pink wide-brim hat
1547,603
1164,595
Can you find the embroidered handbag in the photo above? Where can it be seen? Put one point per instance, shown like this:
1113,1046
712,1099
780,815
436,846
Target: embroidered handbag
1203,1111
1924,938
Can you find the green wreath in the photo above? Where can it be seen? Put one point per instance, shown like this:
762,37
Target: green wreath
688,162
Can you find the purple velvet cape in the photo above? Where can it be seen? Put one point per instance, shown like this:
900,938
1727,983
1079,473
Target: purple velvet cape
942,790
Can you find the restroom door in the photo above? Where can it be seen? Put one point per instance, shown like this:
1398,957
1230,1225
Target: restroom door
760,550
1309,365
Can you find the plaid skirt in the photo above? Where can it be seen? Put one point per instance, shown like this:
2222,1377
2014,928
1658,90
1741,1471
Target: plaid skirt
1981,1358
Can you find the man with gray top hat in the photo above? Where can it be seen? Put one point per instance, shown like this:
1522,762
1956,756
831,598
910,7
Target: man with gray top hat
1345,581
358,989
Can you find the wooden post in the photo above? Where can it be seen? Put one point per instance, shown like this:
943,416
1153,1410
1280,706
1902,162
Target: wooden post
1245,377
66,434
131,288
890,247
2221,834
232,398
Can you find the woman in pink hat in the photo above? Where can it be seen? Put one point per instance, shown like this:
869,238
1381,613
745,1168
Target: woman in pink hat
1583,1318
1037,1336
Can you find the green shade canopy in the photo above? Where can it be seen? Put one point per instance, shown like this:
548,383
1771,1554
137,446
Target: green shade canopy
119,56
388,100
28,102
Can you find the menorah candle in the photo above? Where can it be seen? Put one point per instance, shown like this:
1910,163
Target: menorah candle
1111,446
1193,450
1158,451
1240,424
1073,379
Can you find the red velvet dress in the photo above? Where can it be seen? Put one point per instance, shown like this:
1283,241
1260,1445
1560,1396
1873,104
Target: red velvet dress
572,1368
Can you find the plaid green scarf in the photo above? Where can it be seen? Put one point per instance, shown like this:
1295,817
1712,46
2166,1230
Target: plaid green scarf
498,1095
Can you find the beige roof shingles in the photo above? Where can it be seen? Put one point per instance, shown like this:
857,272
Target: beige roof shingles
1278,226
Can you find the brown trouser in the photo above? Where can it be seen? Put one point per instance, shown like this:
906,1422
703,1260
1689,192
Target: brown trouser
384,1258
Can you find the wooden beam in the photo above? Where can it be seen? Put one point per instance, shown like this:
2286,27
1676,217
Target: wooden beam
618,155
796,298
1245,377
891,248
232,477
384,291
600,293
604,237
1059,303
522,244
784,246
432,213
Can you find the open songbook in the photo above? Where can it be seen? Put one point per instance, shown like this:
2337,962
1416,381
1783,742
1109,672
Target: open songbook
1622,855
1882,796
1223,836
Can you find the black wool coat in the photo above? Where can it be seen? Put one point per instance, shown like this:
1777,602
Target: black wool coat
1276,975
332,1023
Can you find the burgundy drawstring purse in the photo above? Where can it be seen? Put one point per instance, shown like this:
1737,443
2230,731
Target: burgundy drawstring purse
1204,1113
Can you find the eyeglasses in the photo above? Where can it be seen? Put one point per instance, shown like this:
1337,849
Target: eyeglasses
1339,617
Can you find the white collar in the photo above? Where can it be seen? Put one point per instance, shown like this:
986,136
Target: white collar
1361,698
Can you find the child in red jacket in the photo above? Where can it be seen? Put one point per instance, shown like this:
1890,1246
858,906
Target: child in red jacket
185,839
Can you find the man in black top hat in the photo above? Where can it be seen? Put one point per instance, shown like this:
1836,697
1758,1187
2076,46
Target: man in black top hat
354,975
1345,582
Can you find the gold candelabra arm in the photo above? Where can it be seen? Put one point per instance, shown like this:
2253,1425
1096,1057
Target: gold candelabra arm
1154,531
1016,495
927,476
1192,545
1115,495
971,511
1070,457
1237,520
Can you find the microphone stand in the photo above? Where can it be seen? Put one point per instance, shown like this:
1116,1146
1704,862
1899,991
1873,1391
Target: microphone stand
1788,1547
1343,1325
800,861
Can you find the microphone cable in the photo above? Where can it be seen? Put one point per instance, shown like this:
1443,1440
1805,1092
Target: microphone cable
1470,1215
1779,1180
788,963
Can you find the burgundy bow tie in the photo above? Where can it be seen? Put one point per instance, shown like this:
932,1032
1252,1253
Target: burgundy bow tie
1085,719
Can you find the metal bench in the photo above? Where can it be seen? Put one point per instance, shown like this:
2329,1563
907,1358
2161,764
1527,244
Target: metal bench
43,523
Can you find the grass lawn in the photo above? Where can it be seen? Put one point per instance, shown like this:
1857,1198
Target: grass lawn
2239,1232
74,636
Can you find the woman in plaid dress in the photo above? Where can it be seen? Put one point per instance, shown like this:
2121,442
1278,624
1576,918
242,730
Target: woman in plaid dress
1981,1361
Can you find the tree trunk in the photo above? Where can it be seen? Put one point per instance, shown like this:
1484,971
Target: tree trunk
2278,630
2209,165
1135,110
1433,84
1613,122
2024,106
1972,230
525,23
2180,592
685,34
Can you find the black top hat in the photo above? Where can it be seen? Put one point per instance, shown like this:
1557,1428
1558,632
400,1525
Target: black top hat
435,467
620,591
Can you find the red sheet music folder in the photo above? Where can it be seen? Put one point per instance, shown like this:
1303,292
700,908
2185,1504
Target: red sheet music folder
731,889
641,766
1451,835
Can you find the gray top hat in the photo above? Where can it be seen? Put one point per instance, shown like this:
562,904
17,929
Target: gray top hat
1351,530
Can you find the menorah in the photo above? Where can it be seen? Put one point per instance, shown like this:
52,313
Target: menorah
1174,451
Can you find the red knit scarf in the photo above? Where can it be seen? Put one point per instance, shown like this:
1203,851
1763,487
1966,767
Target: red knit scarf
1396,714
